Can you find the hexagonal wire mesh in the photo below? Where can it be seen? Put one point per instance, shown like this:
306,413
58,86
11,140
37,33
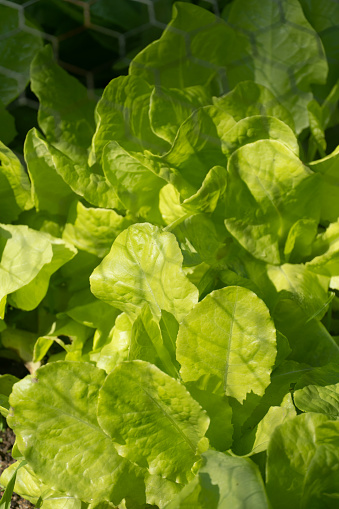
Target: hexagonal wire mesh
94,40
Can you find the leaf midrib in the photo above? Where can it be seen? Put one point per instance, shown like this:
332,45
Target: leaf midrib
230,340
166,414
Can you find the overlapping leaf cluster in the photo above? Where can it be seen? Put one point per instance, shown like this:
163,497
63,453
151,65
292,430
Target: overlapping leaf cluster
182,251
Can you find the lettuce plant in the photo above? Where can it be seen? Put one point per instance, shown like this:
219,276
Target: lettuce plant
170,272
19,43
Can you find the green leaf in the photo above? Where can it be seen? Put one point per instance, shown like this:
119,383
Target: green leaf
298,283
300,463
54,414
15,187
17,268
256,440
248,99
198,238
49,191
122,115
251,129
203,277
329,106
325,252
220,337
191,51
159,490
309,339
21,342
4,406
41,347
230,277
66,114
269,199
283,349
7,125
84,308
94,187
102,505
155,424
239,481
30,295
324,18
126,15
317,127
170,205
77,334
65,502
170,107
211,190
204,200
322,376
283,44
196,149
246,417
28,485
169,330
200,493
43,221
137,187
318,391
219,411
327,170
141,267
93,229
299,240
322,117
324,400
117,349
19,43
75,274
324,467
147,343
5,502
6,383
244,270
224,481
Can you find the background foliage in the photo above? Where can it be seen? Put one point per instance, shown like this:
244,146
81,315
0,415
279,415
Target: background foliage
173,241
94,40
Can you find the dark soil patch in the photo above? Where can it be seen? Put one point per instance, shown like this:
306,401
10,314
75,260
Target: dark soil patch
7,440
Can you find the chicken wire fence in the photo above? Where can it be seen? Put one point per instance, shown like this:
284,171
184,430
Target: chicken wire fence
94,40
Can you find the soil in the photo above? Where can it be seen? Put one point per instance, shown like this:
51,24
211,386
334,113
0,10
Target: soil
7,438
